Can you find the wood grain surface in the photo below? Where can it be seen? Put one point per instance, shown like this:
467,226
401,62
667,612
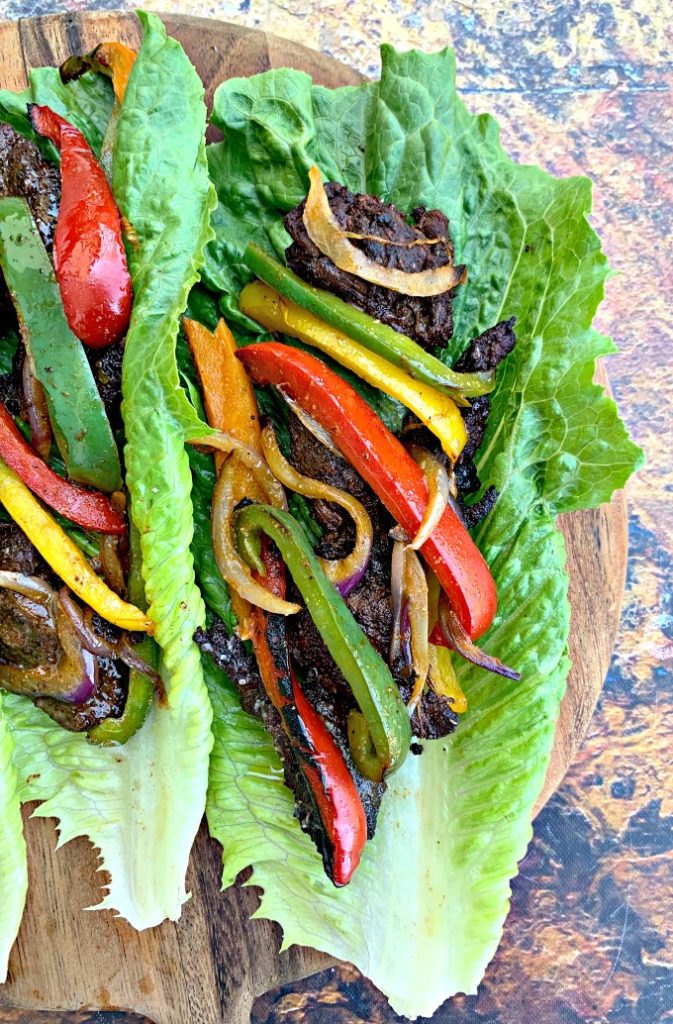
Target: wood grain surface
213,964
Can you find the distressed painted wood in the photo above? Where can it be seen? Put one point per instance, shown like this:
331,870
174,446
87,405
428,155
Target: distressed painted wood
213,964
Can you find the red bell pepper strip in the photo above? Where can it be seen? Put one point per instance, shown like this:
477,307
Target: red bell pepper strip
89,256
89,509
335,796
384,463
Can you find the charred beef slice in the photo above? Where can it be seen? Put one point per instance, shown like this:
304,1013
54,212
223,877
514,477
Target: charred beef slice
483,353
427,320
231,655
24,643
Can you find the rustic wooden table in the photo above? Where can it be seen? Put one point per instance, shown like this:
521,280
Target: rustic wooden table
581,87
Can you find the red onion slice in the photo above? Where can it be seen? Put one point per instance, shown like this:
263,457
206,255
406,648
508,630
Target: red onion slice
457,638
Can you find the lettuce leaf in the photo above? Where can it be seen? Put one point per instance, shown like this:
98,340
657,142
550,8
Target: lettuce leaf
141,804
87,103
13,865
456,819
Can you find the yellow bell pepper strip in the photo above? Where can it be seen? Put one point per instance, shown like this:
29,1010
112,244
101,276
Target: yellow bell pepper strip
363,668
443,678
377,337
435,409
63,555
230,405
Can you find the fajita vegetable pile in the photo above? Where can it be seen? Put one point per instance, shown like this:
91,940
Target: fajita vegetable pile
303,406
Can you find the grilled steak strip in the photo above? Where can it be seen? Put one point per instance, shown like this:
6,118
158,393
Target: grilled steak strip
25,643
231,655
428,320
483,353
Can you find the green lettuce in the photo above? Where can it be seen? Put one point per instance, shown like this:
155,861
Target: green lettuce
13,866
141,804
457,819
87,103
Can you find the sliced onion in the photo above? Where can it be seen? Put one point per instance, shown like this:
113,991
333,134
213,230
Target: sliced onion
38,414
88,638
311,425
443,679
397,593
130,657
73,679
458,639
231,565
29,586
111,563
345,573
437,480
255,463
325,231
416,593
411,244
405,635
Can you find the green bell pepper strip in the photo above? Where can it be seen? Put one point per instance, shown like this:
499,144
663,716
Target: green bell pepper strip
363,668
377,337
114,732
81,427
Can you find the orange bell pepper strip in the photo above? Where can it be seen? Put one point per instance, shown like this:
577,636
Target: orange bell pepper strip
230,405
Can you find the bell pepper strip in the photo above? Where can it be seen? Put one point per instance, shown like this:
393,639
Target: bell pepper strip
228,395
112,59
363,668
443,679
377,337
63,555
383,463
81,427
434,408
89,509
230,406
115,732
89,255
343,826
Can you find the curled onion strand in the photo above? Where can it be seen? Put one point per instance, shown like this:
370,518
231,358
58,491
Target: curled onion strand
458,639
344,573
234,570
437,480
324,230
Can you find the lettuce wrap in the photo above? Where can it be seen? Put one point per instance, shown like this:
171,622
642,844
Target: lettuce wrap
455,821
139,804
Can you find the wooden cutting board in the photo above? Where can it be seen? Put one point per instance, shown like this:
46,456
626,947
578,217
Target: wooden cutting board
211,965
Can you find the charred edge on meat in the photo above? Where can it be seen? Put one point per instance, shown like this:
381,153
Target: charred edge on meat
428,320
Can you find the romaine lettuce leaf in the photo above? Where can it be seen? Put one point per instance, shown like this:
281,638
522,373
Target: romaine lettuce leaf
86,103
456,819
141,804
13,866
